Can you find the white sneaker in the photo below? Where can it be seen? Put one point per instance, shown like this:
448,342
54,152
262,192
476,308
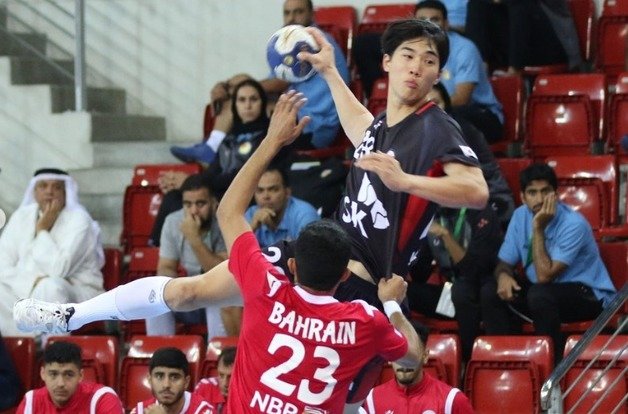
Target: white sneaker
32,315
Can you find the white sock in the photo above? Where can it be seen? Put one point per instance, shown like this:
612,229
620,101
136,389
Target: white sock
139,299
215,139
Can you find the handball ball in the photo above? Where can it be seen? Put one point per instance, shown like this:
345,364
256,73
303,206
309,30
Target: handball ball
282,50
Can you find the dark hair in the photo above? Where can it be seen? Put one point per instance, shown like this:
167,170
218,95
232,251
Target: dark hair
282,172
444,94
227,356
63,353
400,31
432,4
234,97
196,182
322,252
537,171
421,330
169,357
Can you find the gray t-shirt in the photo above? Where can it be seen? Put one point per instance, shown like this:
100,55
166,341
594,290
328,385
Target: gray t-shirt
174,246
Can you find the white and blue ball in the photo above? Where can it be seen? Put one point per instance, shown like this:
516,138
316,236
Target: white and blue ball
282,50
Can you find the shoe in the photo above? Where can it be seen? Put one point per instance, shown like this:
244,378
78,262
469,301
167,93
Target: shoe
195,153
32,315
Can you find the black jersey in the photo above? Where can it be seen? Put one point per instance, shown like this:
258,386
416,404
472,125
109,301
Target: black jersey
386,226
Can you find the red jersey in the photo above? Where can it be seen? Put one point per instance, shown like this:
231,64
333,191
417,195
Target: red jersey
89,398
427,396
194,404
299,350
209,390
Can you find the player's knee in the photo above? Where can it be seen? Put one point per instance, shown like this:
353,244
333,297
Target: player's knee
181,293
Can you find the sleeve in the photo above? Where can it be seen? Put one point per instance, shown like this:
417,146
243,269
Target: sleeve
392,344
461,404
508,252
567,242
75,240
448,142
481,253
306,214
168,248
248,214
469,64
109,403
218,242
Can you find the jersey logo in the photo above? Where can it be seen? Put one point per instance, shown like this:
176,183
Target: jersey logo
273,284
367,200
468,151
368,142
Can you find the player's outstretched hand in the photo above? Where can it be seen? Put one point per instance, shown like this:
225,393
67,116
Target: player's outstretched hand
386,167
393,288
283,124
323,60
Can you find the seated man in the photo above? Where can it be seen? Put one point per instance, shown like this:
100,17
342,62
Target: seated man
566,278
169,378
215,390
191,239
64,391
277,215
414,391
50,248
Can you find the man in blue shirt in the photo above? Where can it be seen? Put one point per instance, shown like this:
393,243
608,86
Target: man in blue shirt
277,215
566,278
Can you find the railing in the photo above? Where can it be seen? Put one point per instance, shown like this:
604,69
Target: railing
552,397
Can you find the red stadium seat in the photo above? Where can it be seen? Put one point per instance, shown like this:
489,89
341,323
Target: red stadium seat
510,92
140,208
340,22
377,16
506,372
23,353
618,121
583,12
586,196
214,347
143,262
111,270
379,96
597,380
134,386
338,148
565,114
446,349
100,355
611,37
511,167
615,257
148,174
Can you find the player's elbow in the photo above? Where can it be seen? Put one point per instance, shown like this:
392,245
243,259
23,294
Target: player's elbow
478,194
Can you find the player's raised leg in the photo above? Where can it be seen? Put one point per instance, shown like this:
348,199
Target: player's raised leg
139,299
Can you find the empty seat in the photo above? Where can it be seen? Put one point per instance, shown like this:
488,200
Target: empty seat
148,174
605,383
214,347
143,262
583,12
111,270
379,96
510,92
340,22
100,355
611,36
586,196
377,16
23,353
134,386
615,257
510,168
139,211
565,114
618,121
446,349
506,372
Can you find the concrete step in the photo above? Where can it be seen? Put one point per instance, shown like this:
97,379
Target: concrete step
130,153
103,180
13,44
105,100
33,71
103,206
113,127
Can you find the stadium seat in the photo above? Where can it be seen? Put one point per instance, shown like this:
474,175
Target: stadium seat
436,325
23,353
506,372
140,208
615,257
617,119
446,348
583,12
214,347
511,167
611,36
565,114
586,196
148,174
340,22
134,386
510,92
598,379
143,263
100,355
377,16
379,96
338,148
111,270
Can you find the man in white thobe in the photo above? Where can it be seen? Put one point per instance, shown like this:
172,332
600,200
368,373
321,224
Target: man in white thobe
50,249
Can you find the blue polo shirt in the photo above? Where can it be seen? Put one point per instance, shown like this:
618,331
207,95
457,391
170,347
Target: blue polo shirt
568,239
465,65
298,214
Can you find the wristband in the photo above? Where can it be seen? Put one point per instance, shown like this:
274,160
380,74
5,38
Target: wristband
390,307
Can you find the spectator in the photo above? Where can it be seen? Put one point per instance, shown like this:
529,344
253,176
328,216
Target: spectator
215,390
9,380
464,243
237,132
566,278
64,391
169,378
277,215
500,195
50,248
191,240
415,391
